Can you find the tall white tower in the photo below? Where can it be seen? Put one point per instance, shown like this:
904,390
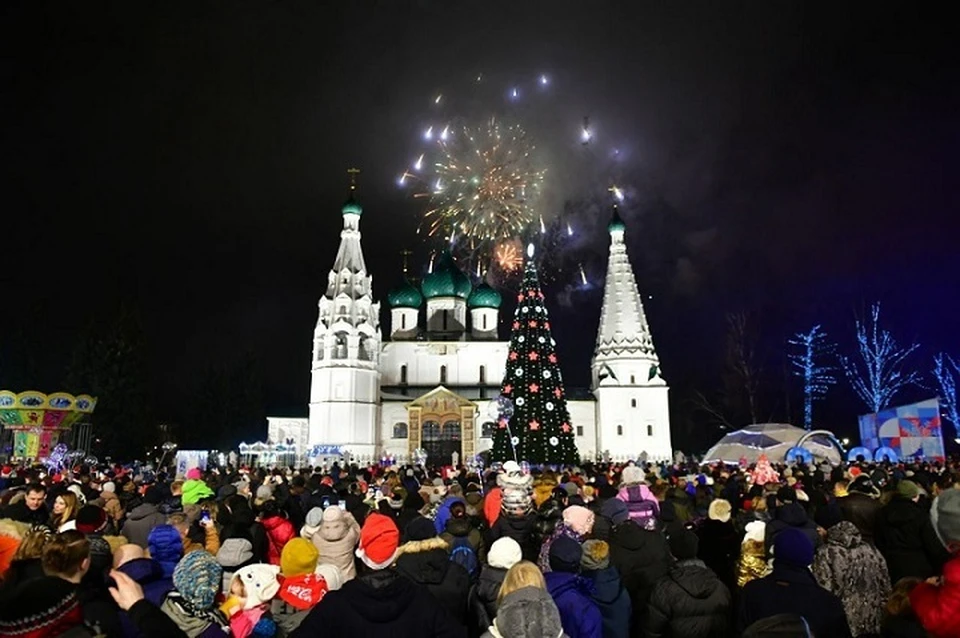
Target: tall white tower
633,414
345,380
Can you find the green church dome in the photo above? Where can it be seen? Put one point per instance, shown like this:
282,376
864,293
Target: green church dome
484,296
446,280
352,207
616,223
405,296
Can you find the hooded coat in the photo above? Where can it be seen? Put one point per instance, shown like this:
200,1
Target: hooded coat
690,602
428,563
861,510
528,612
443,512
905,537
279,531
579,614
140,521
336,541
855,571
483,598
642,557
719,548
149,575
379,603
792,590
522,529
612,600
641,503
791,515
166,547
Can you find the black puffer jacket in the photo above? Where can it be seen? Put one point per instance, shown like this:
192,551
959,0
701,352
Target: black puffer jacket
791,515
483,599
906,539
522,529
719,549
428,563
642,557
862,511
690,602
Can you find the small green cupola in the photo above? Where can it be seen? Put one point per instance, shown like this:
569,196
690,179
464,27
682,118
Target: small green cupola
446,280
616,223
405,295
484,296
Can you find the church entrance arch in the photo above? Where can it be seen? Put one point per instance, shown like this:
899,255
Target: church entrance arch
441,439
442,423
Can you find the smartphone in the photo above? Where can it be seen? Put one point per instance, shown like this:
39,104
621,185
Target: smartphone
205,516
343,505
378,494
326,502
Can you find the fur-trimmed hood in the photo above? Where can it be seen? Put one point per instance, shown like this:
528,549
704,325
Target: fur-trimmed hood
13,529
418,547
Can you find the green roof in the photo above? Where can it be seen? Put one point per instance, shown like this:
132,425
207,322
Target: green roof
352,207
405,295
446,280
484,296
616,223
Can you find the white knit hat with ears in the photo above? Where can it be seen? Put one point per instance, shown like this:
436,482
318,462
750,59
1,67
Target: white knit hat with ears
755,531
504,553
259,582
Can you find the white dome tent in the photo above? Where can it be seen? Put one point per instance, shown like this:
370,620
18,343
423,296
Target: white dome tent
773,440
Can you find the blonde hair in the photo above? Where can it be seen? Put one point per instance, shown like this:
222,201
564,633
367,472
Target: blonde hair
71,505
523,574
31,545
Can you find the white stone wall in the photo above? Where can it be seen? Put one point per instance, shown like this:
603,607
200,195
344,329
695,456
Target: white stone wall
279,429
462,359
344,407
583,414
632,420
391,413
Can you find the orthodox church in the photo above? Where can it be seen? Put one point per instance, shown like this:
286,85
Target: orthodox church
428,383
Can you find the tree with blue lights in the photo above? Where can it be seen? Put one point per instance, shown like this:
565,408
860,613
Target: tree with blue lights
879,374
946,372
810,349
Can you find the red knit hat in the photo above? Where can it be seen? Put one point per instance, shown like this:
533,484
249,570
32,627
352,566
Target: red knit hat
379,540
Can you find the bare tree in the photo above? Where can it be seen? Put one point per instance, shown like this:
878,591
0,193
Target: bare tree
946,372
877,375
744,370
810,350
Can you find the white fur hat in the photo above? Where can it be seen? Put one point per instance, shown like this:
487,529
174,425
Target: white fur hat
109,486
511,467
504,553
260,582
632,475
755,531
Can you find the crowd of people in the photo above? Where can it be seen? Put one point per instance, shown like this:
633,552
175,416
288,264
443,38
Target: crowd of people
602,550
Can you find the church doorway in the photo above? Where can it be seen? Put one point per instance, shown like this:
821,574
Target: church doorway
442,423
441,440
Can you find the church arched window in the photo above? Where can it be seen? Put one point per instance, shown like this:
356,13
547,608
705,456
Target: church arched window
443,372
403,373
483,374
400,430
649,430
619,430
633,403
340,346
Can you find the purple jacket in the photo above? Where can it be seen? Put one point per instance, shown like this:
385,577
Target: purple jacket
641,503
149,574
579,615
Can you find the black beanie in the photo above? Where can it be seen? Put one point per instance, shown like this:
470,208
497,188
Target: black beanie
153,495
684,544
565,555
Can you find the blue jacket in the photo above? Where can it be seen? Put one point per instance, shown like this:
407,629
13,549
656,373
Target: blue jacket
579,615
166,547
149,574
612,600
443,513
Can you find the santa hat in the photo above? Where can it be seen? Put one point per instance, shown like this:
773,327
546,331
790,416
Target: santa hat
379,540
259,582
91,519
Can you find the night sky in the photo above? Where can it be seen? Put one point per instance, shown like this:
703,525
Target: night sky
793,160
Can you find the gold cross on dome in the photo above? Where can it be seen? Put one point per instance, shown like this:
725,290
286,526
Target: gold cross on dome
353,173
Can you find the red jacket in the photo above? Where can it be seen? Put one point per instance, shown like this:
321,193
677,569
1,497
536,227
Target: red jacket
938,608
491,505
279,532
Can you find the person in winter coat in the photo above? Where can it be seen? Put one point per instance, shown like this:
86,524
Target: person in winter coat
166,547
577,524
144,517
191,604
521,526
719,542
248,603
194,489
792,589
503,554
11,533
380,601
752,563
641,556
236,551
148,573
336,540
110,503
549,516
579,614
861,506
856,572
905,536
32,509
458,531
527,612
790,514
609,595
301,588
413,506
425,560
241,515
642,505
690,601
279,530
443,513
937,603
899,621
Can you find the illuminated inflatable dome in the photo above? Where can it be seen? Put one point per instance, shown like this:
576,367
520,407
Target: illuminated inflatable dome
774,440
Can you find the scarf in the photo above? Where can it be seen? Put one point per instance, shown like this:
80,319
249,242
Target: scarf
189,618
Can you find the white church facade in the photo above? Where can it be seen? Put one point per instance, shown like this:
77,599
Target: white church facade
428,383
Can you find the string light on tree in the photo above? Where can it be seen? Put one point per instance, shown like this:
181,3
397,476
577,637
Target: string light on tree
946,372
810,350
540,423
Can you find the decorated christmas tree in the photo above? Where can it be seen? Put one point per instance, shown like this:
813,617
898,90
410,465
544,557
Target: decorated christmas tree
540,424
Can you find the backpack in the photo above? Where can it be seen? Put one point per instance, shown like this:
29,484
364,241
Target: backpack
642,511
463,554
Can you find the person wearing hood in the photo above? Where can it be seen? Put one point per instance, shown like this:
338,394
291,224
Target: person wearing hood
752,562
790,515
380,601
311,523
856,572
248,601
144,517
609,595
792,589
413,507
241,515
425,559
301,587
524,607
642,505
110,503
236,551
443,512
579,614
131,560
690,601
336,540
194,489
503,554
905,536
278,528
196,583
459,532
516,520
861,506
936,602
719,542
577,524
166,547
641,556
